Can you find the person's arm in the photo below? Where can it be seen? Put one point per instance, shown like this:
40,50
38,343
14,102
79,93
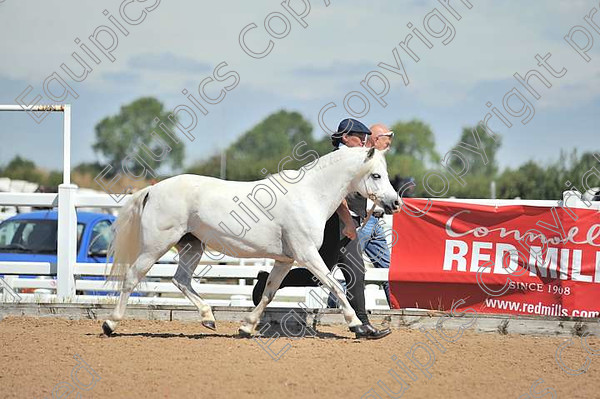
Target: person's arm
344,213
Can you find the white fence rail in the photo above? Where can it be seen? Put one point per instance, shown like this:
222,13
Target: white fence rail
219,284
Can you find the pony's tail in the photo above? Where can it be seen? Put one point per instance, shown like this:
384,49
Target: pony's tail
125,246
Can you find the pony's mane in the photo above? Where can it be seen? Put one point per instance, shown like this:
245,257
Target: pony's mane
333,158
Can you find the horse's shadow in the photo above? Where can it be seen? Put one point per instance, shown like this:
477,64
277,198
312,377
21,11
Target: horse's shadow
166,335
270,333
276,333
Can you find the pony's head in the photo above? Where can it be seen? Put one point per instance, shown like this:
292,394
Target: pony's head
373,181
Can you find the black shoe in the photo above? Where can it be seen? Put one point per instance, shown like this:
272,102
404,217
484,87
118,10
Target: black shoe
367,331
259,288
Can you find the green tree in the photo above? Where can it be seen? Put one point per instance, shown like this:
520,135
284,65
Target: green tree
54,179
22,169
473,142
579,168
471,149
412,152
122,135
533,181
529,181
263,146
414,139
323,145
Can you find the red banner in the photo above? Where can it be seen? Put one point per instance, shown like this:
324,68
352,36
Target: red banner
467,251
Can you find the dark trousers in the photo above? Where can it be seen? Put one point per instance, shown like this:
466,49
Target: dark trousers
349,261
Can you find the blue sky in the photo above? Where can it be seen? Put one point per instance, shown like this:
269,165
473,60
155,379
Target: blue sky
180,43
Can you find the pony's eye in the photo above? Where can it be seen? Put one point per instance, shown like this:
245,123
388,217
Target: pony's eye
376,176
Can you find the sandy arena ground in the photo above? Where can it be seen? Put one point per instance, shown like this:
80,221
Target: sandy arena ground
158,359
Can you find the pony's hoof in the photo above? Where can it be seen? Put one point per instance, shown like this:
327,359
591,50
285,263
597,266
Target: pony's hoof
244,333
106,329
210,324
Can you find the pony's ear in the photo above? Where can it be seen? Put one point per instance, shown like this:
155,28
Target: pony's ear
370,153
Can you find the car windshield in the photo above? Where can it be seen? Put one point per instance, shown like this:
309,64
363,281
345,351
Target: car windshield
102,235
31,236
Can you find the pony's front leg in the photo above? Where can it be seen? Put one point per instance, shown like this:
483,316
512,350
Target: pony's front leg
311,259
280,270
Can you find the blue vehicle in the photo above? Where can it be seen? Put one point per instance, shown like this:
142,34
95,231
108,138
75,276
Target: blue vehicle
32,237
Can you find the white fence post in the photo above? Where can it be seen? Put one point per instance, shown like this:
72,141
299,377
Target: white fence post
67,144
67,241
67,219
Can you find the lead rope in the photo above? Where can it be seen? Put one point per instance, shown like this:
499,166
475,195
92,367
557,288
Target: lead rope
372,197
346,240
368,216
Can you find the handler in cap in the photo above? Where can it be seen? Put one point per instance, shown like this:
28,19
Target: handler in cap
340,245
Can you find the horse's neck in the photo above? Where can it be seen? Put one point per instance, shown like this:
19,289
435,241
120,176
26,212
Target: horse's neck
331,182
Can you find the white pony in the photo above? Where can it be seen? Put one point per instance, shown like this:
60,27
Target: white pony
203,211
